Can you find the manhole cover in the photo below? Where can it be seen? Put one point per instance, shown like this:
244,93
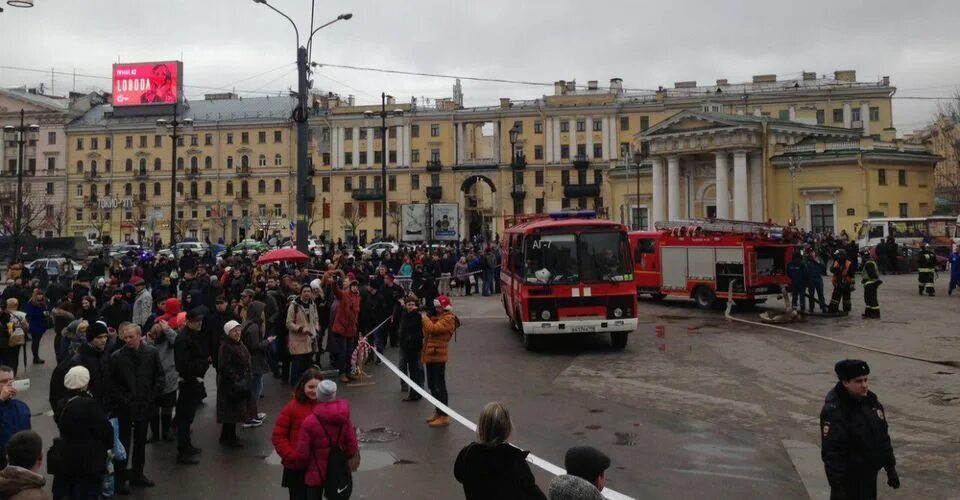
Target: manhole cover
626,438
377,435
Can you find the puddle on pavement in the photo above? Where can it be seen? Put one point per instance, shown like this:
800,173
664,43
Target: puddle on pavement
375,459
942,399
377,435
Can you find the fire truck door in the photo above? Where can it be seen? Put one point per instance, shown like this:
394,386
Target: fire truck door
645,264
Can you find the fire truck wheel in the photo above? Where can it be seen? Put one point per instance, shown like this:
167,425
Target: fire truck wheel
619,339
532,342
704,297
658,296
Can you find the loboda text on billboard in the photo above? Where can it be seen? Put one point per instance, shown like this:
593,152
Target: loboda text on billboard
144,84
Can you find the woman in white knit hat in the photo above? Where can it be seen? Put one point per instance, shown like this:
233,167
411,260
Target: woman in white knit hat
86,436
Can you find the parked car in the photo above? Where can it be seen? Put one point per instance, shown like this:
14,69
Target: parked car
123,249
250,247
378,248
54,266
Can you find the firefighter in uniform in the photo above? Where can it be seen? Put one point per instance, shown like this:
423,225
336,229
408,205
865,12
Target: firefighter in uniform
842,270
870,279
855,442
926,267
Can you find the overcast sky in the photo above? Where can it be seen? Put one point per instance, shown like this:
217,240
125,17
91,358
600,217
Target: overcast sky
237,44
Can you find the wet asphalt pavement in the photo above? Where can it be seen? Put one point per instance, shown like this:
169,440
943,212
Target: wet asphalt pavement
705,407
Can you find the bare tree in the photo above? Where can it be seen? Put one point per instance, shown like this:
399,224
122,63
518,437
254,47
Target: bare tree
264,222
394,216
218,215
33,213
351,219
59,219
943,136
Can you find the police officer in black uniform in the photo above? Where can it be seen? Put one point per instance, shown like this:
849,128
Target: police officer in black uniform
855,443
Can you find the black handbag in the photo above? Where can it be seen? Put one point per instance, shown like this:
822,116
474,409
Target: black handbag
56,462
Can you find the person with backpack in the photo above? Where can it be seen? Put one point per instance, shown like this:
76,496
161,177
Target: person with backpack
327,447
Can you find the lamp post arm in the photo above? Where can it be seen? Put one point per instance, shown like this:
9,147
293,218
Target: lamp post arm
314,32
295,30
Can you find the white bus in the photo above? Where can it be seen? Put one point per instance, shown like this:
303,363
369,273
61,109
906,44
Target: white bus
942,230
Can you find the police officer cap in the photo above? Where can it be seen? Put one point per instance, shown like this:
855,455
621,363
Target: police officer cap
586,462
851,368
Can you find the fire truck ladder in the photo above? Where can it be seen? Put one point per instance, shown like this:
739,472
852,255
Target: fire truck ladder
688,226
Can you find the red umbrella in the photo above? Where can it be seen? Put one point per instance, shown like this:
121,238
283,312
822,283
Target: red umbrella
283,255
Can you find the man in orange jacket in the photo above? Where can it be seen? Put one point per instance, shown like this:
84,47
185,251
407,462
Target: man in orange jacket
437,332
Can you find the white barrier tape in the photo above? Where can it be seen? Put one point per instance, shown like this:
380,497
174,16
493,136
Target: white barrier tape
533,459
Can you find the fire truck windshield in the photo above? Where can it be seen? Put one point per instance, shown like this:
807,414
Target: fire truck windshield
572,258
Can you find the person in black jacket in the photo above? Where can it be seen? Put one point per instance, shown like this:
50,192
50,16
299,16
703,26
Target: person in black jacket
192,359
92,356
855,440
138,379
393,296
411,342
213,327
491,467
86,436
116,311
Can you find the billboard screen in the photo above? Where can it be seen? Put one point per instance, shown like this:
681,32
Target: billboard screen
415,222
144,84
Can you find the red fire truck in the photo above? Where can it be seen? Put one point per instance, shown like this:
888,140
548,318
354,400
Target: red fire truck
699,259
568,273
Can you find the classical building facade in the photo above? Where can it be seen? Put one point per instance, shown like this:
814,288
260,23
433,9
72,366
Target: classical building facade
580,147
45,158
234,171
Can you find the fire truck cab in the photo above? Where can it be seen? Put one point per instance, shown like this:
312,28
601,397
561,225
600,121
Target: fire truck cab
700,259
568,273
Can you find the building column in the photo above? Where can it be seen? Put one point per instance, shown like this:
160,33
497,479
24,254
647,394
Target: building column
407,130
605,142
847,115
356,146
334,147
865,117
657,214
460,129
370,137
612,135
793,113
556,139
673,187
548,144
589,143
722,186
741,207
497,142
756,186
573,138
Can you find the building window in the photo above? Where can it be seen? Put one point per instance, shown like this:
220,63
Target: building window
80,143
414,181
79,190
624,123
435,155
538,178
414,130
208,139
644,122
538,152
391,182
597,125
179,163
277,136
598,150
564,151
363,158
261,137
640,217
392,156
94,143
229,188
348,158
51,164
838,115
598,176
348,183
107,143
277,210
564,126
821,117
78,215
882,176
143,141
784,114
581,150
207,187
244,137
208,162
261,186
874,114
194,140
157,141
325,158
278,160
325,184
156,189
49,188
902,177
362,183
262,160
539,205
244,161
51,137
229,138
821,218
415,156
128,165
904,210
435,130
277,186
565,178
537,127
435,179
128,141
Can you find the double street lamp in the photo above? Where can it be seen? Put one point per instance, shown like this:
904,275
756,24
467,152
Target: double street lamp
383,114
174,127
306,192
19,133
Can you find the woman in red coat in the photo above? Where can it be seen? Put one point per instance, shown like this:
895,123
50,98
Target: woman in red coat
287,431
344,338
329,423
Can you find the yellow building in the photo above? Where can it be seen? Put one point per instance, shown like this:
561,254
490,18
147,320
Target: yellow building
943,138
234,171
580,148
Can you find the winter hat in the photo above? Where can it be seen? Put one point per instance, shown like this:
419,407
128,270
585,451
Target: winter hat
77,377
586,462
128,288
136,281
315,284
230,326
247,292
326,391
567,487
96,329
443,303
851,368
101,282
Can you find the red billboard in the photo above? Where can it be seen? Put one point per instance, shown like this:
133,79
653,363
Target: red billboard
144,84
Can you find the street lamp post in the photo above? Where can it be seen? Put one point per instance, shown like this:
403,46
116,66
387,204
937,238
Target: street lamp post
174,127
21,139
384,114
794,167
306,193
